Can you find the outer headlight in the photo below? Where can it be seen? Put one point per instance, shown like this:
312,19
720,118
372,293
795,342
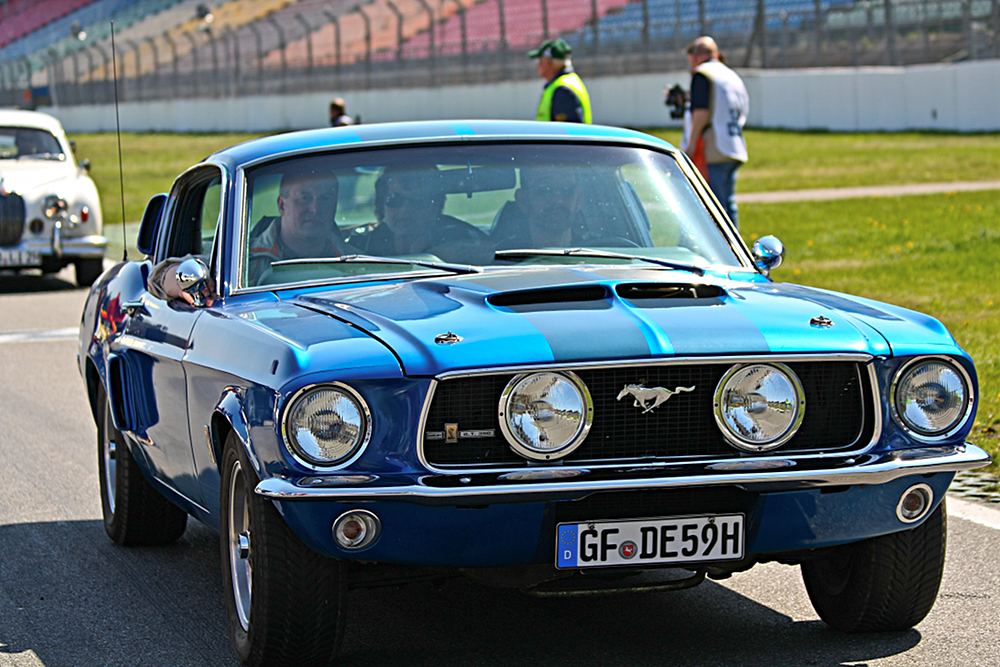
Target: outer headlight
545,416
931,397
759,407
326,425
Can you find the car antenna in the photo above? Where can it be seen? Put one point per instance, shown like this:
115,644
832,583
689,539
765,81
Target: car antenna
118,127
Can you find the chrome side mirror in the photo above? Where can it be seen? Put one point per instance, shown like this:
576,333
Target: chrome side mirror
192,278
768,252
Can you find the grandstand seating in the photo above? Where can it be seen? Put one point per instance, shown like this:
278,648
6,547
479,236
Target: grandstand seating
49,27
673,18
25,16
523,23
384,31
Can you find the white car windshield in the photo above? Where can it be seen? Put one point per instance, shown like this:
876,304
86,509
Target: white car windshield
28,143
343,216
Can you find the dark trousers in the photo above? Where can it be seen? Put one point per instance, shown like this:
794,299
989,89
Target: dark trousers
722,181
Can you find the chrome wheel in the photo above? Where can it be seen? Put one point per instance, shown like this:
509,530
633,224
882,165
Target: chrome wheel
109,449
239,544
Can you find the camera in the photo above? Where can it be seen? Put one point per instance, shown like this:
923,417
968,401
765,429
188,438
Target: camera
676,99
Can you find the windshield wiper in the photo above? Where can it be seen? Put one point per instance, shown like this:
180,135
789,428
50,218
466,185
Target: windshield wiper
601,254
372,259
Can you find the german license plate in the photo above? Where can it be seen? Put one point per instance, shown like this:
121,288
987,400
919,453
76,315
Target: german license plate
686,539
20,258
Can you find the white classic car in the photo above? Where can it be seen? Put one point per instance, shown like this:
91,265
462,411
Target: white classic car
50,214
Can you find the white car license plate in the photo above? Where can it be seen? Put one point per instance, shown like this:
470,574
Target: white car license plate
686,539
20,258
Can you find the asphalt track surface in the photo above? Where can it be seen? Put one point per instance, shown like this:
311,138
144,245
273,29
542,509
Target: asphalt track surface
69,597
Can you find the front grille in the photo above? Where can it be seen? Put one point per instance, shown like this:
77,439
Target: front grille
11,219
683,427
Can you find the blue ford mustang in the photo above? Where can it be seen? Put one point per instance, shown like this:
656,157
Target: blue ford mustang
535,353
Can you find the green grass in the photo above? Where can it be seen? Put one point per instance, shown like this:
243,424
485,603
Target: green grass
931,253
935,254
150,163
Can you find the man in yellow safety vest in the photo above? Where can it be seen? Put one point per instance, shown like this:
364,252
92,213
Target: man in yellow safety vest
564,97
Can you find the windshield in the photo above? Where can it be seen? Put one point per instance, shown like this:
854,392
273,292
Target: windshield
445,207
28,142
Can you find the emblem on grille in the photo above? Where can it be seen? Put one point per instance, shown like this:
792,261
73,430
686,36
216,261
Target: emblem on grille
649,398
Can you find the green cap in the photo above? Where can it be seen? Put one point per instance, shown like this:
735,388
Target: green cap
552,48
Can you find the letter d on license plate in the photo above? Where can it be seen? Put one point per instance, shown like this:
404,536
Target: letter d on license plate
646,541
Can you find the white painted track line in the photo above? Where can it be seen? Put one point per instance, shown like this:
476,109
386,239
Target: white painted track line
981,514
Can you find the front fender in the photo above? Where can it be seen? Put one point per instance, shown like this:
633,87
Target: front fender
104,321
230,409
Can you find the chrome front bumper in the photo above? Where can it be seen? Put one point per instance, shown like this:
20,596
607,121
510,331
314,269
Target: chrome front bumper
768,474
84,247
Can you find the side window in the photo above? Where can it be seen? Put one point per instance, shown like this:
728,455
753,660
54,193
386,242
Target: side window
193,215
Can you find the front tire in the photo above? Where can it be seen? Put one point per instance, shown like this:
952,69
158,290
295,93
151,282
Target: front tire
88,270
135,514
285,602
882,584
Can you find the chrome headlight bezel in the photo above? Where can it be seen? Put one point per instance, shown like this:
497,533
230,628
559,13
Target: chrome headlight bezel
757,446
525,449
311,461
965,413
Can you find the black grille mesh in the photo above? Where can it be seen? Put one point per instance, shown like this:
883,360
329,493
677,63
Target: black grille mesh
682,427
11,219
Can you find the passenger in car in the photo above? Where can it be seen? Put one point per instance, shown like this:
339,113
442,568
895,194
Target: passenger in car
409,206
546,212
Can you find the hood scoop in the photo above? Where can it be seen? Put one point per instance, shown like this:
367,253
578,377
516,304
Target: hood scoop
657,291
548,297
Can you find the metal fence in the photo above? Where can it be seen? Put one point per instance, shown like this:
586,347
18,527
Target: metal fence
402,43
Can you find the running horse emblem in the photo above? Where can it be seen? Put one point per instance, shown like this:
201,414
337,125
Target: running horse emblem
649,398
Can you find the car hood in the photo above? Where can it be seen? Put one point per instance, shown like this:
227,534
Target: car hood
26,176
577,314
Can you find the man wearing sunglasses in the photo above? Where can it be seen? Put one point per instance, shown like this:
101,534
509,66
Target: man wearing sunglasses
546,211
409,206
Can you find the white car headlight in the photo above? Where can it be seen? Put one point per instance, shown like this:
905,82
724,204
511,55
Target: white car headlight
759,407
545,416
55,208
326,425
931,397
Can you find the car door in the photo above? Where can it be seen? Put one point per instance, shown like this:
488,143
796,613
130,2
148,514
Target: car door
161,329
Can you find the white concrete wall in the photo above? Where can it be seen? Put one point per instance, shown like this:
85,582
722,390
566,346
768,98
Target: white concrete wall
962,97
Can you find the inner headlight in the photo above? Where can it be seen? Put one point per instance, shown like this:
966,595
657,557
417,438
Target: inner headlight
759,407
55,207
545,416
326,425
931,398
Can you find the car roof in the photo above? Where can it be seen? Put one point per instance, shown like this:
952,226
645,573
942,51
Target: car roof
34,119
358,136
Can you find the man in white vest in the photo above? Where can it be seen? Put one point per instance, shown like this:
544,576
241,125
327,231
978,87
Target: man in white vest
719,106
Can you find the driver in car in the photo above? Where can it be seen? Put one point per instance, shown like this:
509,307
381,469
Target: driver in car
305,227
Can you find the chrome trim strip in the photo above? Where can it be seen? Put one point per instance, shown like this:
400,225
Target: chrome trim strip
880,470
422,428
